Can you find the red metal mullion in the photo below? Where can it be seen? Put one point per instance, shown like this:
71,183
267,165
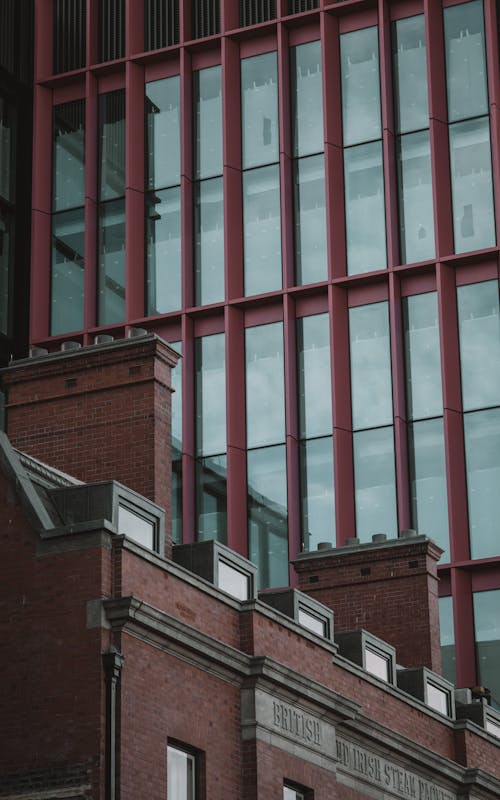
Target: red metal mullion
291,421
463,623
43,44
399,402
134,27
492,60
91,202
93,29
388,138
134,193
286,163
236,431
185,20
228,15
232,181
186,94
188,433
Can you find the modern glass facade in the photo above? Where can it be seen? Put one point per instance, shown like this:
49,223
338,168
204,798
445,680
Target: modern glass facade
306,208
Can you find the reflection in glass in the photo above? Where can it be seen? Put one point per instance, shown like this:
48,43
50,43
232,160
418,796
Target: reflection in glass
209,242
307,99
314,373
487,627
210,366
68,168
375,483
422,356
163,133
429,502
482,457
176,377
317,496
415,197
5,233
471,185
310,220
267,515
163,250
377,664
479,329
360,86
211,499
177,501
262,230
207,93
259,110
233,581
111,263
365,213
292,794
437,698
371,384
447,638
180,774
6,148
410,72
465,60
265,397
67,275
112,144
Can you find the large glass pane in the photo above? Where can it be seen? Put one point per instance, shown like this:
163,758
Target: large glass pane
111,263
315,394
416,207
311,263
259,110
316,492
262,230
177,448
364,208
307,99
210,365
479,328
211,499
112,144
487,625
163,250
265,396
163,133
410,73
267,515
207,92
209,242
6,148
177,501
429,502
5,235
447,638
375,483
465,60
68,182
180,774
471,185
360,86
371,384
422,356
67,275
482,456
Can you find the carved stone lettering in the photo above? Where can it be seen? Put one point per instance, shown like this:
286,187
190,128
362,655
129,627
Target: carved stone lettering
300,725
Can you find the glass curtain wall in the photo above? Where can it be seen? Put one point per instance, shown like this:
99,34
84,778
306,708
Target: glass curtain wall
487,628
6,207
177,447
448,655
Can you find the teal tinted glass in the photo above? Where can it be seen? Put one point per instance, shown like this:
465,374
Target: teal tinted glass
5,268
371,384
422,356
209,242
479,331
314,373
265,393
307,99
267,515
259,109
6,148
447,638
68,168
317,493
211,499
112,144
410,74
163,133
428,482
465,60
416,205
482,458
364,208
262,230
359,61
210,386
375,483
487,626
163,251
67,273
311,261
111,263
207,92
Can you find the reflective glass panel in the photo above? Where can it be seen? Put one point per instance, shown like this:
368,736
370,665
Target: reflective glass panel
177,448
410,74
209,242
210,364
6,148
471,185
364,208
307,99
317,493
163,133
5,233
112,144
371,384
68,180
67,274
265,396
482,456
315,393
259,109
447,638
211,499
479,328
232,581
360,86
267,515
375,483
262,230
111,264
312,622
177,501
311,261
416,206
137,528
487,625
465,60
180,774
292,794
376,664
163,246
438,699
422,356
428,482
207,92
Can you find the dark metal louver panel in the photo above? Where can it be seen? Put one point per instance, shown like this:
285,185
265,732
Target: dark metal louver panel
254,11
296,6
161,23
7,35
112,29
205,18
69,35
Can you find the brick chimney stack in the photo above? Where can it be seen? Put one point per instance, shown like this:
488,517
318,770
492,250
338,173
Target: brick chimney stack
98,413
389,587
